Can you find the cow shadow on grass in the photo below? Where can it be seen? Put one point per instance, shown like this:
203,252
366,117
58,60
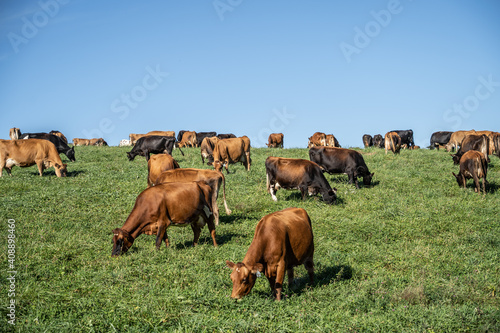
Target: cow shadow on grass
344,179
296,196
324,276
207,240
492,187
52,173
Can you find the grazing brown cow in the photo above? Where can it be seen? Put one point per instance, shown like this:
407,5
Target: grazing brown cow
81,142
211,177
472,165
392,142
473,142
317,139
159,163
340,160
282,240
207,148
456,139
294,173
496,144
14,133
158,207
491,136
230,151
25,153
275,140
188,139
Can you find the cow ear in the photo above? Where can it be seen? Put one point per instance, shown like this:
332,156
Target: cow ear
230,264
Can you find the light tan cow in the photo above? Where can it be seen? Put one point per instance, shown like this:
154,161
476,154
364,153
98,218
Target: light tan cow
81,142
188,139
28,152
159,163
392,142
162,133
456,139
14,133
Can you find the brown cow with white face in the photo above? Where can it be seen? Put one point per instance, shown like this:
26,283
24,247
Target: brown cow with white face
159,163
211,177
28,152
472,165
158,207
282,240
275,140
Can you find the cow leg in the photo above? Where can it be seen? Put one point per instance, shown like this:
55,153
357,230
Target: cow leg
280,276
161,235
147,156
477,188
272,284
196,231
290,275
484,185
248,160
309,266
211,228
303,192
40,166
272,190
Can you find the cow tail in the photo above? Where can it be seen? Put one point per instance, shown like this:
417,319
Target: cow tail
228,211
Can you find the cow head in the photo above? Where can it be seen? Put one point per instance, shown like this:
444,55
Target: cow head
243,278
330,197
218,165
60,169
456,158
122,241
367,180
130,156
460,179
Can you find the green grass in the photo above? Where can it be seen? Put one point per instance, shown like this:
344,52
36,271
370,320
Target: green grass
413,253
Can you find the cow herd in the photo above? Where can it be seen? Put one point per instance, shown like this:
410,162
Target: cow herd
178,196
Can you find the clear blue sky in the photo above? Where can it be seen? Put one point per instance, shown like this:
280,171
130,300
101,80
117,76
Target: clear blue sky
110,68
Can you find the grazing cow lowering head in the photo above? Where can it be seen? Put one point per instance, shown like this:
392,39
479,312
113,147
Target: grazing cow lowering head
122,241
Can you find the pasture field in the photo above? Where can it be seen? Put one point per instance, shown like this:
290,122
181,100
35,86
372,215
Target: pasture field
412,253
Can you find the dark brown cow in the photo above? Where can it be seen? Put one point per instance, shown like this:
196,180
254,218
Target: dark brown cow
282,240
292,173
28,152
473,142
158,207
472,165
340,160
367,140
317,139
159,163
211,177
275,140
378,141
207,148
392,142
230,151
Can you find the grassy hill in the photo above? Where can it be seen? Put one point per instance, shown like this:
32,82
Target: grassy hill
412,253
